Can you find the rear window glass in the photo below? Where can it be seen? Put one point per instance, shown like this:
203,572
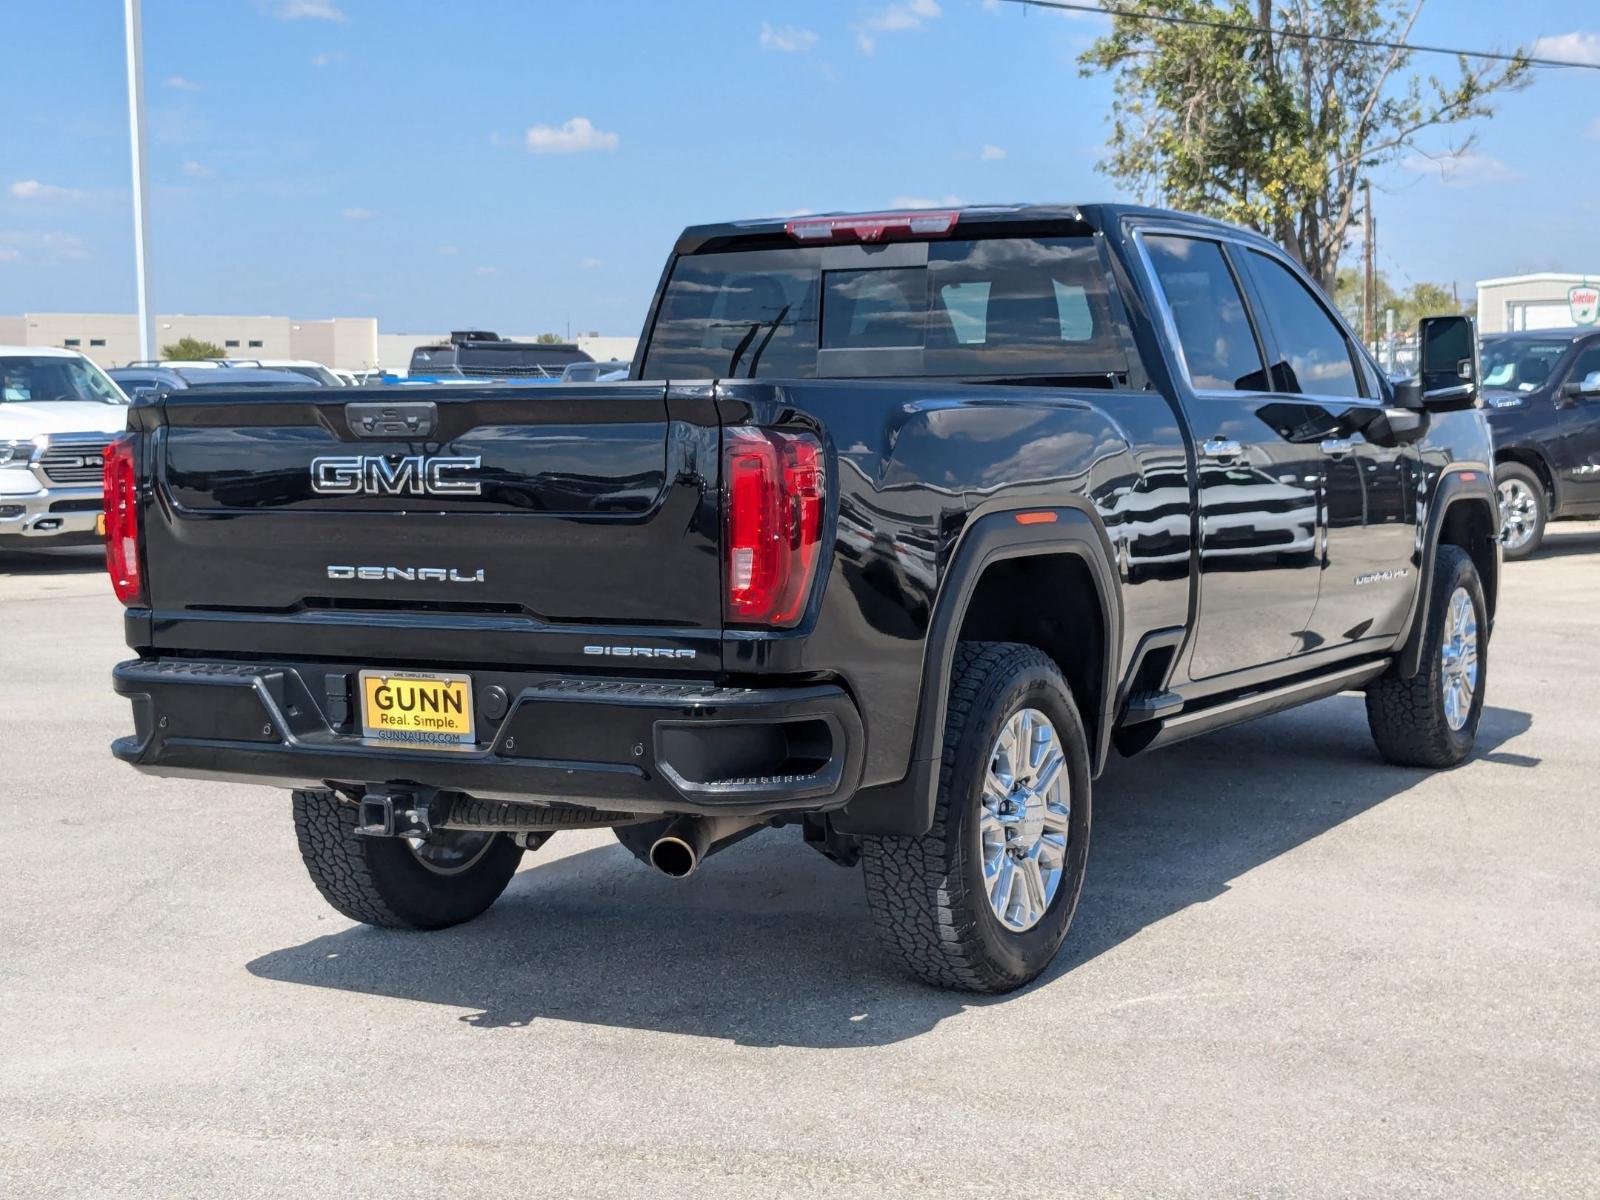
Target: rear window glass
999,306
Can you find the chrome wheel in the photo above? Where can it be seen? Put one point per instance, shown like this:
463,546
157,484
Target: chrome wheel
1023,824
1519,514
1458,662
450,851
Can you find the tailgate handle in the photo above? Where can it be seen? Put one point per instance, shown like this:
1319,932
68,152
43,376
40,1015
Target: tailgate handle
405,419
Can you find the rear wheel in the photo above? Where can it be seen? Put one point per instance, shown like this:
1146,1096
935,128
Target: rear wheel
1431,719
983,900
400,883
1524,509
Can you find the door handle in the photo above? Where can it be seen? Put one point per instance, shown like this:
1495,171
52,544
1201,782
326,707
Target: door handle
1221,449
1337,447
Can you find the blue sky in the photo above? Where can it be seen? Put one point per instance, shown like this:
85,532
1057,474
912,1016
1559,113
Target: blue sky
519,165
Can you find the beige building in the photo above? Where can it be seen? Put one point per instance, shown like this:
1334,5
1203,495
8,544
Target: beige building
350,343
1550,300
112,339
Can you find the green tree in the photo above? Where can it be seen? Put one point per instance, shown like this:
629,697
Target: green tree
1247,119
191,349
548,339
1423,300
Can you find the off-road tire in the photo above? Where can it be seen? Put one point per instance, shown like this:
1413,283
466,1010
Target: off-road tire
926,894
1407,716
1541,506
379,881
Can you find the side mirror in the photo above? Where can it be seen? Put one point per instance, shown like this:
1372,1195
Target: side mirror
1588,388
1448,367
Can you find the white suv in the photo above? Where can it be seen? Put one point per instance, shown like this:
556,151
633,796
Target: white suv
57,412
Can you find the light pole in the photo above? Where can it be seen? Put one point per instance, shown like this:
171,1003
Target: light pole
141,178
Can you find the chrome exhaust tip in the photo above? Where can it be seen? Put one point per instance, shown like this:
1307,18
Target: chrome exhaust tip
674,856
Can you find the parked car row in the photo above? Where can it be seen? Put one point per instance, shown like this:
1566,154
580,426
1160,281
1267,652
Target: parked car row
1541,389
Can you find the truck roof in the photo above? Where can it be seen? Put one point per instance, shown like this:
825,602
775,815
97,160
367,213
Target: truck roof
1059,219
37,352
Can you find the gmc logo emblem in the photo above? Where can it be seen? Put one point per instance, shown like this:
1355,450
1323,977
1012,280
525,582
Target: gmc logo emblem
395,475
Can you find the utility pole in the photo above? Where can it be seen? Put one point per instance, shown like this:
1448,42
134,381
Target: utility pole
141,177
1369,298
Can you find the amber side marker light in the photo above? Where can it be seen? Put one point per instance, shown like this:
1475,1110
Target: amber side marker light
1036,518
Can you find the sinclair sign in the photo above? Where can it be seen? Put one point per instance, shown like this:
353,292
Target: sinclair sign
1585,304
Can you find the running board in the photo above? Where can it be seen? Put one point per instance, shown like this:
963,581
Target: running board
1258,704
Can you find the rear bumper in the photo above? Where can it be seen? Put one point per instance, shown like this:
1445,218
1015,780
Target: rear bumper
619,744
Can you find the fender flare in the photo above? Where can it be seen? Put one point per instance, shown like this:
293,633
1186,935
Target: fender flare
906,806
1457,486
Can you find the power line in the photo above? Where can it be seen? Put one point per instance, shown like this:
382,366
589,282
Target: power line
1305,35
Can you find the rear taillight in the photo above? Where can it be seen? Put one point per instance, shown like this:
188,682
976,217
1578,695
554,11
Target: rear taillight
122,520
776,488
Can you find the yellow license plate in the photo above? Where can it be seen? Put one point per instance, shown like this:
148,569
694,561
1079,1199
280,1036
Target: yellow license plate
416,708
100,524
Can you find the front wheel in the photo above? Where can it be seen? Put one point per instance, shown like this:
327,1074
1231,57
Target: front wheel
983,900
1524,509
400,883
1431,719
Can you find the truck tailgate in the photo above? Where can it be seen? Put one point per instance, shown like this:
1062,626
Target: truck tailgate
516,517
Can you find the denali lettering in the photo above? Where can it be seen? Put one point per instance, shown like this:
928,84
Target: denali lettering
1382,576
406,574
394,475
639,651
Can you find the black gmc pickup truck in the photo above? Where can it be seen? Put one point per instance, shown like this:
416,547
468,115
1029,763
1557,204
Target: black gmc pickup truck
901,523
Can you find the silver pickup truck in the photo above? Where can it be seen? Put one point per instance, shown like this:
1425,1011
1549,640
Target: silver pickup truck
57,412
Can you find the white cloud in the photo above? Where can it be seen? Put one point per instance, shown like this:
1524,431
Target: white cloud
357,214
41,247
1594,129
574,137
1574,47
591,264
196,170
895,18
1463,170
790,39
992,153
307,10
328,57
486,271
32,189
179,83
925,202
787,213
448,249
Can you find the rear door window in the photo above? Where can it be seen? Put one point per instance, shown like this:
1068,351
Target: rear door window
1314,357
1214,331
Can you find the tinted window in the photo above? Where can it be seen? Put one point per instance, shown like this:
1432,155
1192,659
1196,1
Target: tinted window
865,309
1021,306
1316,357
1519,364
42,378
1219,348
1012,306
1588,364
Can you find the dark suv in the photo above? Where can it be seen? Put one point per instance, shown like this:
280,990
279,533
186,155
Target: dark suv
1542,390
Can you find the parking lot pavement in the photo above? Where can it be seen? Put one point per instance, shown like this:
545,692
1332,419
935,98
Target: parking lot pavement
1295,971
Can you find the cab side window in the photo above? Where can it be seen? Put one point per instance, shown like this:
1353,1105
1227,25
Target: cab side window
1316,358
1219,346
1587,366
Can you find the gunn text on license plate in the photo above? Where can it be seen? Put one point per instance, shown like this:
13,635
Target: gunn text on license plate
417,708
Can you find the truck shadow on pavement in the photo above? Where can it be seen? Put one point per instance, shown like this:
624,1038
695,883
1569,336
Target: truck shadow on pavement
770,944
1561,540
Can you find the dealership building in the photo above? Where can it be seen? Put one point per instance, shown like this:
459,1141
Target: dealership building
1546,301
349,343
